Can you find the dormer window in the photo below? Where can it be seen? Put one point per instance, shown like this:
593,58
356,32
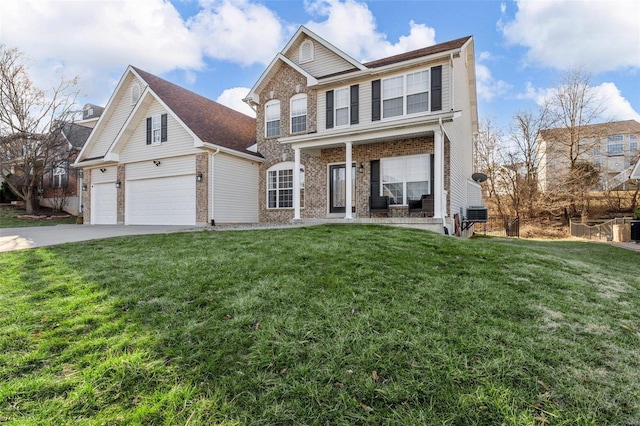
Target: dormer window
306,51
135,93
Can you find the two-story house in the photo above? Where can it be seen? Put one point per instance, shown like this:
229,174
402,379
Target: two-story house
343,139
611,147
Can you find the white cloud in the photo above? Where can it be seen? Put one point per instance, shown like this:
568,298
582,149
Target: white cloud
351,27
233,99
238,31
97,40
615,106
487,86
601,35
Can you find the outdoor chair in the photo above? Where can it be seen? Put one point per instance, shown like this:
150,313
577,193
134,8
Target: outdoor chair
378,204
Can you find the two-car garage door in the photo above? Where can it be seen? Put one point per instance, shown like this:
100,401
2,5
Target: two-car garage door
161,201
161,195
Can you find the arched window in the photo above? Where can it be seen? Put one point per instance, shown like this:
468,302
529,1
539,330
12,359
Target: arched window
135,93
272,118
306,51
298,113
280,186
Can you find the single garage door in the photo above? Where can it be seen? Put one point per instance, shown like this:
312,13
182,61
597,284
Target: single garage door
104,204
161,201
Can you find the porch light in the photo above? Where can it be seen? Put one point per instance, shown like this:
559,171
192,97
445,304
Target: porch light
361,168
199,177
117,184
84,186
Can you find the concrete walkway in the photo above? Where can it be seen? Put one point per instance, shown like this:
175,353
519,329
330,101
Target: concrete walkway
39,236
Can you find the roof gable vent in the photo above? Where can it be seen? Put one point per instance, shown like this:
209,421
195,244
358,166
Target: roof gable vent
306,51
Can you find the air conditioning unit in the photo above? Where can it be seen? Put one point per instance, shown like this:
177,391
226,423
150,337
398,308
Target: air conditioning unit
477,214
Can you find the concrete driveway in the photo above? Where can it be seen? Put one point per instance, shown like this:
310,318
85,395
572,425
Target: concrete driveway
39,236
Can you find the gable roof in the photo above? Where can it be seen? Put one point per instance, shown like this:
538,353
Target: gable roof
76,134
210,121
418,53
595,130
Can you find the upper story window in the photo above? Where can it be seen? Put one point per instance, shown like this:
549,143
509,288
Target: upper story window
596,150
341,106
633,147
272,118
299,114
306,52
633,137
614,149
156,129
135,93
615,138
405,94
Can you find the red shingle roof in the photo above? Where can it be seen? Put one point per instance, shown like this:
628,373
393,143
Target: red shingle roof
210,121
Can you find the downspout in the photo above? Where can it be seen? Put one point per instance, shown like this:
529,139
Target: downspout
213,222
451,83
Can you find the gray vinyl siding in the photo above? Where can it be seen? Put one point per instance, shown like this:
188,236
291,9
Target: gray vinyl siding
235,189
109,175
459,166
365,97
176,166
324,62
121,107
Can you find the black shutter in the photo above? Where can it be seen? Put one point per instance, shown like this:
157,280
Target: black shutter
330,109
355,104
163,128
149,131
375,178
375,100
436,88
433,173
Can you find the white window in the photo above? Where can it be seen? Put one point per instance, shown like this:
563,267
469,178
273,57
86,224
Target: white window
306,51
156,129
280,186
405,94
633,147
633,137
299,114
392,96
596,150
341,102
418,92
60,177
405,178
615,138
614,149
272,119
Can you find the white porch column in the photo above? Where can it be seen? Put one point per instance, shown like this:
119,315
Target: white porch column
296,184
348,183
438,175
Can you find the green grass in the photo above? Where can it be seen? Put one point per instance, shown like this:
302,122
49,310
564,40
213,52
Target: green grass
9,218
328,325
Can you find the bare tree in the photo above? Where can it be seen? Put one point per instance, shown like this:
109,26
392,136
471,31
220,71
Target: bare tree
526,154
31,120
572,106
488,148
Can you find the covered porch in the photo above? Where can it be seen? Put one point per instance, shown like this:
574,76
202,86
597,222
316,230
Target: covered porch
419,146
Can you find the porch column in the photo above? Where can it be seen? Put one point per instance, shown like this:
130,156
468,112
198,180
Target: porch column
296,184
438,174
348,183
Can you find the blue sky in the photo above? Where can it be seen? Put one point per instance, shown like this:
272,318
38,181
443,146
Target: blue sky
219,48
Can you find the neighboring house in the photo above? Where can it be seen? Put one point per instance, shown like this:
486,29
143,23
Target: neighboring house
61,183
610,147
404,125
635,173
160,154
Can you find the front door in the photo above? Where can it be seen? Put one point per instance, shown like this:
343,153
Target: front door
337,188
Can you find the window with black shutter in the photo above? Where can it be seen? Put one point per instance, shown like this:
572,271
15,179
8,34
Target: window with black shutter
329,118
355,104
375,100
436,88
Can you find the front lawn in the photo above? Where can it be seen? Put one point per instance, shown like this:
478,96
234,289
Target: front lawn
10,218
328,325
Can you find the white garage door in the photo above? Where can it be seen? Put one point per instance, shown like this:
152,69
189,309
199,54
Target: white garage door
161,201
104,204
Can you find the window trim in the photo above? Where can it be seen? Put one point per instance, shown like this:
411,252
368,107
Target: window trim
62,180
298,97
301,57
272,102
136,92
405,94
284,166
335,107
404,179
618,151
152,129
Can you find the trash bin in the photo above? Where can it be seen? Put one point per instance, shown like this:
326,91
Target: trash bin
635,231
